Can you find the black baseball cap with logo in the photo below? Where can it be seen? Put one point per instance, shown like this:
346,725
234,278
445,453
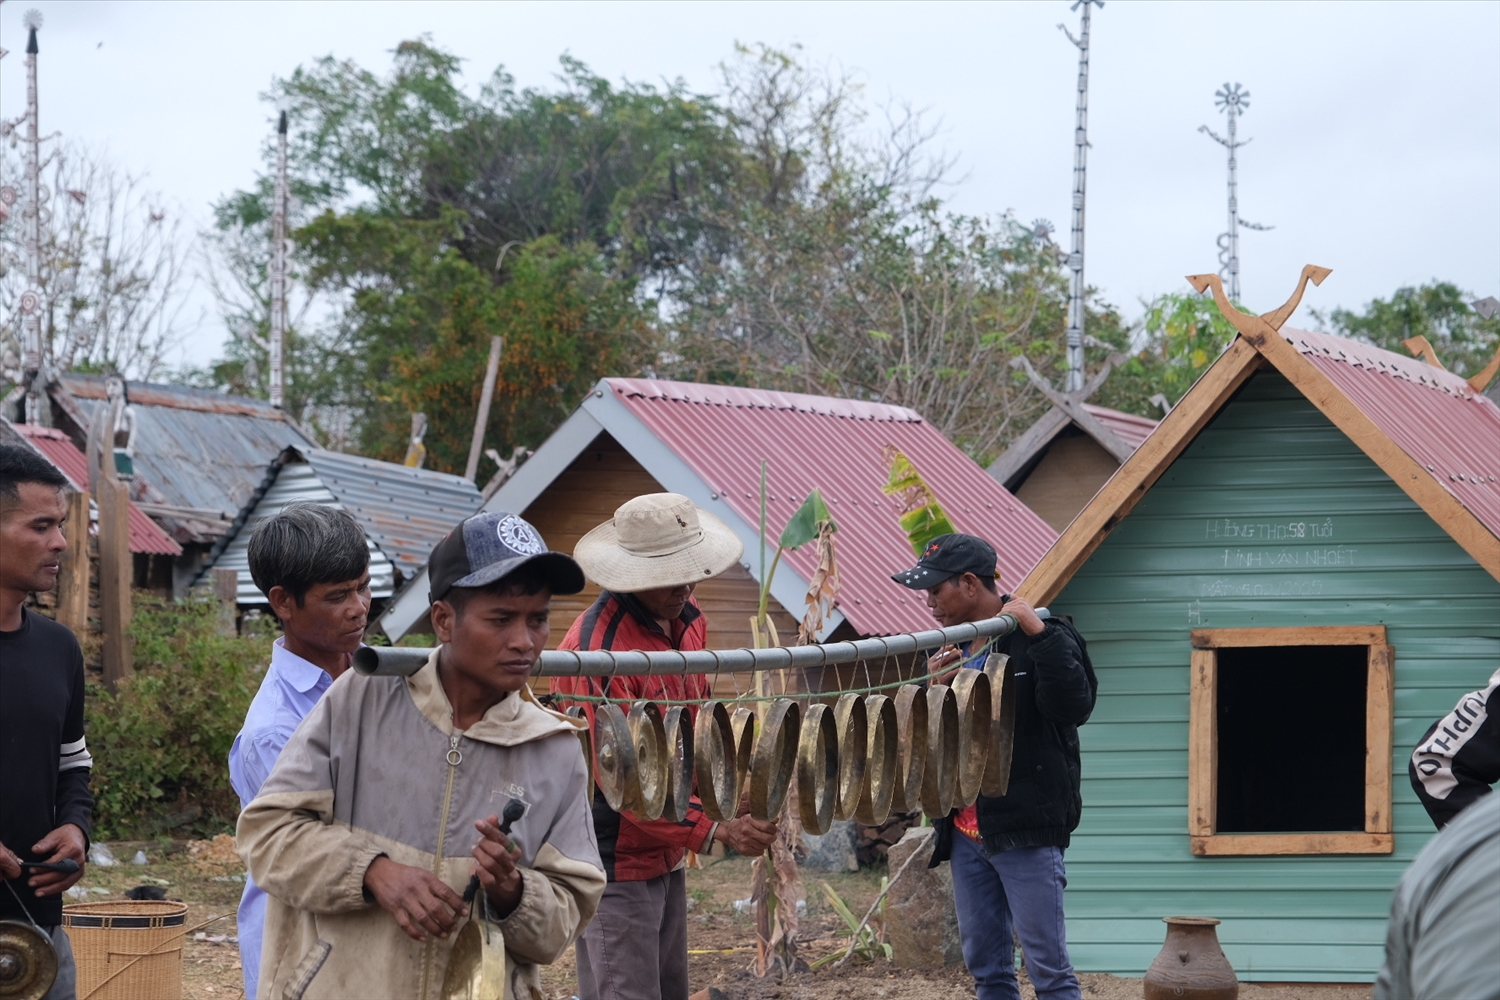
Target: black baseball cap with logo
947,556
491,545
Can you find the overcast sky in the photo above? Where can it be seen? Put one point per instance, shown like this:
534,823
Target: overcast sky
1376,126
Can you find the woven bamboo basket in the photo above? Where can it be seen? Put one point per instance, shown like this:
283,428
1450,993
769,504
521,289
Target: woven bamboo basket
127,949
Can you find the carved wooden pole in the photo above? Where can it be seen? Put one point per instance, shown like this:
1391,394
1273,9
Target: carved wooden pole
116,570
73,582
115,573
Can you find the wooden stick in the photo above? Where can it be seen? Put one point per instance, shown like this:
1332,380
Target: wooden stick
476,446
854,938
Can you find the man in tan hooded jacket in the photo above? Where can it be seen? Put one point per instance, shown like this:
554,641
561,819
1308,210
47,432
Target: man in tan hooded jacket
361,835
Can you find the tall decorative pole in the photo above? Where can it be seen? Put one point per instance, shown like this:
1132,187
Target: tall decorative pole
1074,378
1232,101
31,299
278,267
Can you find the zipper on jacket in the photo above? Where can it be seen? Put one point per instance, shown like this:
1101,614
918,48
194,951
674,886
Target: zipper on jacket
454,757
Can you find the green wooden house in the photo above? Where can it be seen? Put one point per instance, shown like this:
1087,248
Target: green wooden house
1294,576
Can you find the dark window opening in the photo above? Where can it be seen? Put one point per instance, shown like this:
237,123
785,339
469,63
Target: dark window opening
1291,731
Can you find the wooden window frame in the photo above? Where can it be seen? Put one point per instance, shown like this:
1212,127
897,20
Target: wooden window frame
1203,743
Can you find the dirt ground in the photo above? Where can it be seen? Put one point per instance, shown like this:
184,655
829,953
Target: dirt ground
209,878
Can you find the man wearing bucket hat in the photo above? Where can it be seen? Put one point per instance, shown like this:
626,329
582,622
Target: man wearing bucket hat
648,559
383,805
1007,851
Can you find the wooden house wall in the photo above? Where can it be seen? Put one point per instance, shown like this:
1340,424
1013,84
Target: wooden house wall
1192,555
1066,477
587,494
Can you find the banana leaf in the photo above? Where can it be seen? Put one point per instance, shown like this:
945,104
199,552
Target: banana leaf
804,525
922,516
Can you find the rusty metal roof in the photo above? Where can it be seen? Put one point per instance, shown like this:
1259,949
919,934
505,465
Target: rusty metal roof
1431,414
404,512
196,447
58,448
1128,427
835,445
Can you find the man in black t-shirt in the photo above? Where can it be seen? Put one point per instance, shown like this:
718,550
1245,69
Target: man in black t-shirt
44,762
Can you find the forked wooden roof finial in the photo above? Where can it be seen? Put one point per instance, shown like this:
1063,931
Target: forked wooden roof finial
1254,328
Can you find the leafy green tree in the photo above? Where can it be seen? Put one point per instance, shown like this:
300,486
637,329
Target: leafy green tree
1179,336
429,219
419,323
1463,340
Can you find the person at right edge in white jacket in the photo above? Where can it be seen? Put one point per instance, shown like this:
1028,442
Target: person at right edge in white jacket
388,797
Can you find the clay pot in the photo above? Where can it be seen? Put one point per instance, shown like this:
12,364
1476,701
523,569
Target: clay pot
1191,965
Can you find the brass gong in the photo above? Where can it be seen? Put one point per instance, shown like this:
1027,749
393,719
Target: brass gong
775,758
715,762
972,689
911,748
881,761
853,753
1003,730
942,751
646,797
679,744
476,962
28,962
817,769
615,768
742,721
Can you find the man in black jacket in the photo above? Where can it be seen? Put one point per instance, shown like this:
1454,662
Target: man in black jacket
1007,852
1458,758
45,805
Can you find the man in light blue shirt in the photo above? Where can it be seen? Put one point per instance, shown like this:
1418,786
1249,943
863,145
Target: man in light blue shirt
312,562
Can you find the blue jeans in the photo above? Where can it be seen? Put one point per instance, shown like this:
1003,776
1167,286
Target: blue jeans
1022,887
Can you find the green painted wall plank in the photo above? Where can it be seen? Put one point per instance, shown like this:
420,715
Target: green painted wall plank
1271,518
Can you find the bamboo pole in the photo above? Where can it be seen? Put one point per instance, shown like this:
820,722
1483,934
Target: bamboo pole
73,582
115,573
482,418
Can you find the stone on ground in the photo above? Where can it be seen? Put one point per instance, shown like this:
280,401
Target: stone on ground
920,922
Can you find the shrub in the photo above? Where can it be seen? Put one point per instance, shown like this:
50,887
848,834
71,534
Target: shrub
161,742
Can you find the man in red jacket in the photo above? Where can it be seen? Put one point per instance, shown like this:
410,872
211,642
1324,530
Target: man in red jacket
648,559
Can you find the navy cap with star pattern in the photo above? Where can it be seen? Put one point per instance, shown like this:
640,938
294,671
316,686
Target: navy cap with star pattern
947,556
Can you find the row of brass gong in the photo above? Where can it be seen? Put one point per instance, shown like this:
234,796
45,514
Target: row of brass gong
863,758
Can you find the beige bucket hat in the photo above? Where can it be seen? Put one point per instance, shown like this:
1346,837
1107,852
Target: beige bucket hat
657,540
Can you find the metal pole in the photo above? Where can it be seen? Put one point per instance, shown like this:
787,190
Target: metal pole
278,268
31,299
402,661
482,418
1073,381
1232,100
1234,208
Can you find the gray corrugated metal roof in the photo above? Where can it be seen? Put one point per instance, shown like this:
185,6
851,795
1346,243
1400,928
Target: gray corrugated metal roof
195,447
404,512
293,481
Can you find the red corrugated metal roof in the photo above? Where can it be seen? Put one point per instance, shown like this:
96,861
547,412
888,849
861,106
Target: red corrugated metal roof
1128,427
1431,414
59,449
835,445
